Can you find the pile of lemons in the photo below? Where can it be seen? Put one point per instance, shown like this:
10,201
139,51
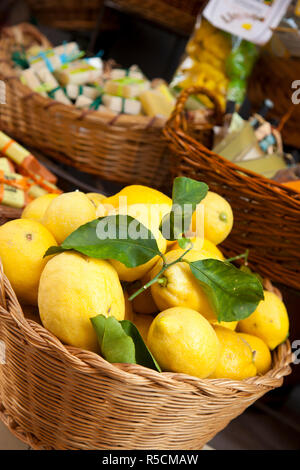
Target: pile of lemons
174,317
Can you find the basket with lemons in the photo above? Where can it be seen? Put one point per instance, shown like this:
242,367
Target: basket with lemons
138,278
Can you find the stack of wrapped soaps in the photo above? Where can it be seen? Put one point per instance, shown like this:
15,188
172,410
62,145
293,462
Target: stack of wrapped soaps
22,177
65,75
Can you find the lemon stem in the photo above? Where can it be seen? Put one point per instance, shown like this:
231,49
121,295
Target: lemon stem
244,255
158,277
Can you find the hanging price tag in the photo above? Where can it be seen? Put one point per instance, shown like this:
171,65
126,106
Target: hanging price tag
252,20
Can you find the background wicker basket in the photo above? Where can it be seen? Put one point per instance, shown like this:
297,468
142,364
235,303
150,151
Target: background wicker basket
176,15
267,214
58,397
66,14
127,149
272,78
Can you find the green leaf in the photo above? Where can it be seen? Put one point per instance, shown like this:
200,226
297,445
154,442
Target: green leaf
119,237
184,243
115,344
187,193
142,353
233,294
53,250
121,342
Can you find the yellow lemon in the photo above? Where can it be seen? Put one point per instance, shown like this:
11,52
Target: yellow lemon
23,243
179,287
144,302
73,288
68,212
143,201
236,359
128,307
262,355
36,209
143,322
138,194
132,274
226,324
203,244
96,198
218,217
270,321
182,340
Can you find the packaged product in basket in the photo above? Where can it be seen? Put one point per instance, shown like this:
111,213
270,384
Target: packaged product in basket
38,57
122,105
126,87
79,72
23,158
30,78
157,102
54,89
13,197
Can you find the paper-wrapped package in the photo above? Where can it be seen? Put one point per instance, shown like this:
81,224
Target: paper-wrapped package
29,78
54,89
121,105
126,87
77,73
23,158
132,72
155,103
74,91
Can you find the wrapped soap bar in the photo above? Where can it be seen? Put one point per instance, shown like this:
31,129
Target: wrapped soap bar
6,165
126,87
23,158
29,78
15,180
132,72
39,57
77,73
13,197
122,105
155,103
83,102
55,91
74,91
67,52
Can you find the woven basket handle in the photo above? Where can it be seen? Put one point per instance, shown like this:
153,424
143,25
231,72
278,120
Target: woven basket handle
177,120
19,32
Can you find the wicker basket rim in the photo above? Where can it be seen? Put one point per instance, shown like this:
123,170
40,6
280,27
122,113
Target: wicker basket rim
90,362
177,124
119,120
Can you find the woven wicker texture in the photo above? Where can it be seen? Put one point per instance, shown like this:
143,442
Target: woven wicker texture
272,78
178,15
58,397
66,14
9,213
267,214
127,149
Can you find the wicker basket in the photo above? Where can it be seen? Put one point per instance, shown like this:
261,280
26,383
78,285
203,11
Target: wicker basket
67,14
267,214
9,213
272,77
59,397
127,149
177,15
